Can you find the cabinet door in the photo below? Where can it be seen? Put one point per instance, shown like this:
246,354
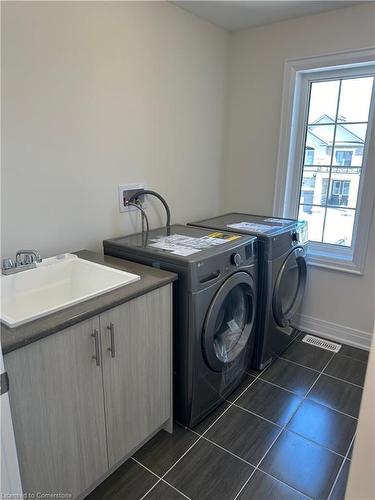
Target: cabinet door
137,374
56,397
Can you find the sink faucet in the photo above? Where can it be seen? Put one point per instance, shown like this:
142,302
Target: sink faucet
25,259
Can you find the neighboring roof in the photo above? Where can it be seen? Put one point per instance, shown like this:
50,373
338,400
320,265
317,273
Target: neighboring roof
343,134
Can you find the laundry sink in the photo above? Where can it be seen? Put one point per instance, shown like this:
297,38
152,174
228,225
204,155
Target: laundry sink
54,284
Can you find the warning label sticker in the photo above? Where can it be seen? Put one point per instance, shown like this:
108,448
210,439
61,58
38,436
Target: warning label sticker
227,237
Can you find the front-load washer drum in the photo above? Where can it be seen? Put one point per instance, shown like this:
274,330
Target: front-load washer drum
229,321
290,287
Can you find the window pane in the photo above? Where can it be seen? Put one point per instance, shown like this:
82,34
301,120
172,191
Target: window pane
349,145
315,219
358,130
339,226
335,137
355,99
314,187
323,101
318,148
345,157
344,186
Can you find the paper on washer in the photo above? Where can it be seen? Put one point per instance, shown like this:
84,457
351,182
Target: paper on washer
185,245
278,221
251,226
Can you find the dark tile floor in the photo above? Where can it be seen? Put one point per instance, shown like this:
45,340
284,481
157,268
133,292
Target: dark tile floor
285,433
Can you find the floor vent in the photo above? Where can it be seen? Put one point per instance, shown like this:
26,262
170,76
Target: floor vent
323,344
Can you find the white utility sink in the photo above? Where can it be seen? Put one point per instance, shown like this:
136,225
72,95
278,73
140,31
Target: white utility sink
56,283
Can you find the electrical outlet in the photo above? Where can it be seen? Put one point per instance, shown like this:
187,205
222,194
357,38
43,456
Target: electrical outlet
125,192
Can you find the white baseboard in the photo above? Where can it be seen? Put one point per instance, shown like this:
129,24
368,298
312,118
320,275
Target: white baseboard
333,331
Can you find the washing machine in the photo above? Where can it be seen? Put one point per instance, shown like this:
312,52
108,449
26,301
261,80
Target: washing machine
282,273
214,309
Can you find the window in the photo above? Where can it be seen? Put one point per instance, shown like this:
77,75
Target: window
337,116
343,158
323,154
339,193
309,156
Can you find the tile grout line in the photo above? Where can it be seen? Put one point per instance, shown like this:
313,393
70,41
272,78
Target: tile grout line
200,436
281,429
256,415
151,472
228,451
314,442
160,478
274,441
284,429
320,374
342,466
285,484
322,371
339,352
289,430
301,397
343,380
174,488
351,357
299,364
233,403
144,466
234,400
353,438
148,491
308,392
280,387
256,468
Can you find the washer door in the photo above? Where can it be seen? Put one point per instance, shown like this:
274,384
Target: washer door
229,321
290,287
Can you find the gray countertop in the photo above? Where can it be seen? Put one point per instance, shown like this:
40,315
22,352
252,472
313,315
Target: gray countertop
151,278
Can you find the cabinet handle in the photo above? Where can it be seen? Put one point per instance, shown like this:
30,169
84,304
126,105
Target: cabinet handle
96,356
111,329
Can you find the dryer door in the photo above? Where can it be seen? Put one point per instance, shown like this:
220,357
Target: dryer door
229,321
290,287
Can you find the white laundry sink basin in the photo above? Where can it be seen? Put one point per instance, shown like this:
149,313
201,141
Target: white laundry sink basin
56,283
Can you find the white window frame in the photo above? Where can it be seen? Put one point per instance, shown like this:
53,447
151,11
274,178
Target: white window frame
297,75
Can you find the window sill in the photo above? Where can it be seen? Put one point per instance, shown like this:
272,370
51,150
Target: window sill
333,263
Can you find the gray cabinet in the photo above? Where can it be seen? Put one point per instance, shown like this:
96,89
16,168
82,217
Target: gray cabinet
136,346
57,408
84,399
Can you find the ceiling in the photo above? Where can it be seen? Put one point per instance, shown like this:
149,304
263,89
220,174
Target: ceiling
238,15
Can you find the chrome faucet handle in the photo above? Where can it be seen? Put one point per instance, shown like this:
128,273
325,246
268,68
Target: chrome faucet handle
26,257
8,264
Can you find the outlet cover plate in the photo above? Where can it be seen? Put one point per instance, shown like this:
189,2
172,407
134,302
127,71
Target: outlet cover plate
125,191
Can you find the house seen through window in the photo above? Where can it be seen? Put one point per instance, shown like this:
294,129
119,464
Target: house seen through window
335,137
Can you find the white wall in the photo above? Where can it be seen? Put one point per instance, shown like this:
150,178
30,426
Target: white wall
100,93
95,94
361,482
255,88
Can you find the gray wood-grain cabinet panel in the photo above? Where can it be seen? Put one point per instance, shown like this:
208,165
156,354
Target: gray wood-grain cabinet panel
137,380
56,397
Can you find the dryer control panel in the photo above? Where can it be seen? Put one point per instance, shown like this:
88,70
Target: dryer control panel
300,233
